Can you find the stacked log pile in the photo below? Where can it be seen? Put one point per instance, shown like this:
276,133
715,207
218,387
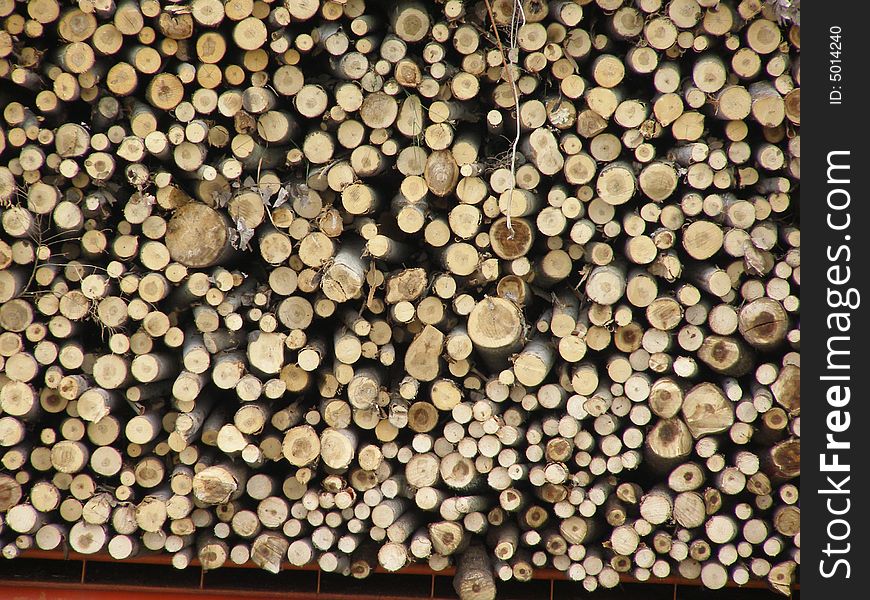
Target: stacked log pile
503,284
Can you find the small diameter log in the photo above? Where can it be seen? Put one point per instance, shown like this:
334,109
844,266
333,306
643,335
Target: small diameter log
534,362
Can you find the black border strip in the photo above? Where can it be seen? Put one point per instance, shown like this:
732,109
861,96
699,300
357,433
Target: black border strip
836,244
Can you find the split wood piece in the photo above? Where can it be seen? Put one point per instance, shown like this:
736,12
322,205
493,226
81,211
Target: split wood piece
219,484
423,356
268,551
343,280
337,448
706,410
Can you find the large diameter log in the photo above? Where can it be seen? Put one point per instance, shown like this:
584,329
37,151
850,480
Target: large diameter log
511,242
448,537
198,236
410,20
702,239
668,443
496,328
763,323
406,285
265,352
783,461
301,445
86,538
616,183
441,173
606,285
10,492
337,448
658,181
726,355
459,472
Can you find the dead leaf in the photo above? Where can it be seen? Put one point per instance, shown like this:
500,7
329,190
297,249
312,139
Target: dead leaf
241,236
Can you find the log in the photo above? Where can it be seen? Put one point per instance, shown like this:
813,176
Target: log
473,579
495,327
197,222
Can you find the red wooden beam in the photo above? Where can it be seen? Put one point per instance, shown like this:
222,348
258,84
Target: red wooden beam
86,591
413,569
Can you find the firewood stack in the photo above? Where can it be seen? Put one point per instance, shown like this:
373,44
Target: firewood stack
497,284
